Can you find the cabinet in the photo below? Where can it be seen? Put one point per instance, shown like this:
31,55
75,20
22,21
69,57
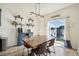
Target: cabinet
3,44
0,44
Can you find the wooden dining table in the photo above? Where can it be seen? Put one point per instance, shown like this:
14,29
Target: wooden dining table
37,40
37,43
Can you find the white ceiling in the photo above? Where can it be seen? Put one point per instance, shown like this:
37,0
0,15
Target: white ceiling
25,8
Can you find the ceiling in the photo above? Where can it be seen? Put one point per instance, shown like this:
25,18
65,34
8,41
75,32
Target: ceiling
24,8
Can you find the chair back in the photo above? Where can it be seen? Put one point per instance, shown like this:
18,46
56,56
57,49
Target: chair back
27,45
42,48
51,42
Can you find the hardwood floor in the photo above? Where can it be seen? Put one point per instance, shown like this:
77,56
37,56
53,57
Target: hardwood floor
59,48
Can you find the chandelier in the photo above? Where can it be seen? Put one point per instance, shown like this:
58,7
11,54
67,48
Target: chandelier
37,10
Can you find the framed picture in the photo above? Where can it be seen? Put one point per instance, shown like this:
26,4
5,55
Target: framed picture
0,17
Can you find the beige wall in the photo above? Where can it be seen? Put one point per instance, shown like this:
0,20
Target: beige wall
77,27
72,13
7,30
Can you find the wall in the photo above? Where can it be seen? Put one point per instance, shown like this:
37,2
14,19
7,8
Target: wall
77,26
6,29
9,31
38,23
72,13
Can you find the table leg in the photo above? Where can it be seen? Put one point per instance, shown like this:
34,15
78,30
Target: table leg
23,51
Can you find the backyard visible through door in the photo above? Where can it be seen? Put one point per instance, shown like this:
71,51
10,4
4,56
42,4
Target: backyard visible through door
56,30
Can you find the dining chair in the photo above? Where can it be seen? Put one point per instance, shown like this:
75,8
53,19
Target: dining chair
41,49
28,46
51,44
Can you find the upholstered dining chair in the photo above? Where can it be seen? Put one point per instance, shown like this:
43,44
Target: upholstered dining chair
51,44
28,46
41,49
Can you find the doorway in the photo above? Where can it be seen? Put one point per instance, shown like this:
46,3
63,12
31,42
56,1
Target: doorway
55,30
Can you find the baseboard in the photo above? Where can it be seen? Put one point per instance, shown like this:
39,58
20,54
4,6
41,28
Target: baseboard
78,51
74,49
12,46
